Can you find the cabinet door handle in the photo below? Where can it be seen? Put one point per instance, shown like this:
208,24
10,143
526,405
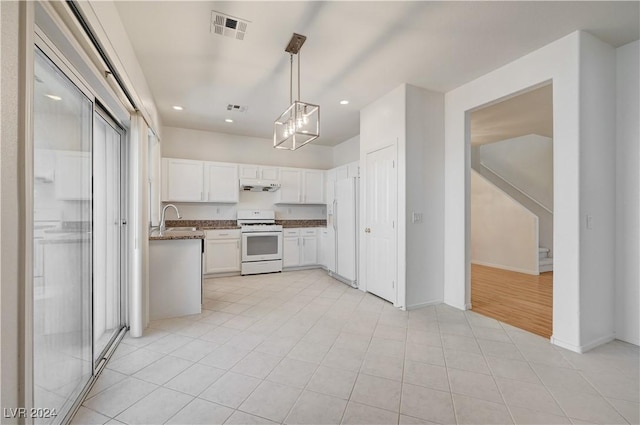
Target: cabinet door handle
223,234
201,195
238,245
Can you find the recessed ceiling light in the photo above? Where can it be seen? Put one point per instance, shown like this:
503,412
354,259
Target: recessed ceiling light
53,97
177,108
228,120
344,102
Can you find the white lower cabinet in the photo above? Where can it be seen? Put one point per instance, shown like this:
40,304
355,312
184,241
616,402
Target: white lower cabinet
300,247
222,251
290,251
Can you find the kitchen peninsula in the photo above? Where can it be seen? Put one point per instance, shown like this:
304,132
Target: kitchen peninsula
175,273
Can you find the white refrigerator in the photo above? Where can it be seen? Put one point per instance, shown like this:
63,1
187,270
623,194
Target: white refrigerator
342,263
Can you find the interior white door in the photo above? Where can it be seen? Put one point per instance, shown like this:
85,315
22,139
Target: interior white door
380,224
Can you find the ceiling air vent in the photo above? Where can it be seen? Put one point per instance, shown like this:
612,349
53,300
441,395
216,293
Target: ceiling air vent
228,26
237,108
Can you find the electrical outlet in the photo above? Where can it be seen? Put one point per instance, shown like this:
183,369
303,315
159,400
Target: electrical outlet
589,222
416,217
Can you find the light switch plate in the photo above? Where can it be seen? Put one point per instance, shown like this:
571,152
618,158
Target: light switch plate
416,217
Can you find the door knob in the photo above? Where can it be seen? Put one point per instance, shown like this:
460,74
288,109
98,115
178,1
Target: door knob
367,230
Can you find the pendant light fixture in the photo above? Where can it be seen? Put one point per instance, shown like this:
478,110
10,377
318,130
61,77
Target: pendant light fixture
299,124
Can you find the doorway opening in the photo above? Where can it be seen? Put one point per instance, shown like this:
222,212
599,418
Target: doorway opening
511,210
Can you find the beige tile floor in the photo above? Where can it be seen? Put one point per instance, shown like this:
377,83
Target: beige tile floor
302,348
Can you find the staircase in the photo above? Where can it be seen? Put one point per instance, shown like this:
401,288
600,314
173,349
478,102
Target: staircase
545,262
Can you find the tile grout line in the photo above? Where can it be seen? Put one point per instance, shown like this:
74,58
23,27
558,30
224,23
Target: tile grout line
319,365
285,356
536,373
446,367
493,378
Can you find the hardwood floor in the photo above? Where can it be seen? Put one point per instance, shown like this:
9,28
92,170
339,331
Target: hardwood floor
519,299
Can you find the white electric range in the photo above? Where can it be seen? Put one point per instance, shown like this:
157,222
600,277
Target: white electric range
261,242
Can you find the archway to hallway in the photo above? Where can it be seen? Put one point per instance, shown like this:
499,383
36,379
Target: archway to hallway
511,209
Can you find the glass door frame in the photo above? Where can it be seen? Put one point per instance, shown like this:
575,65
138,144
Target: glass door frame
100,111
42,43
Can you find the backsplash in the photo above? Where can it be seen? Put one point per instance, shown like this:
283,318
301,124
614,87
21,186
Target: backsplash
232,224
248,201
203,224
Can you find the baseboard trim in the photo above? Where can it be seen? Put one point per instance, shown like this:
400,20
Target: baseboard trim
500,266
296,268
222,274
584,347
425,304
351,283
462,307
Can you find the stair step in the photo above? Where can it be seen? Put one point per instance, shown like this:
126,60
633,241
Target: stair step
545,265
543,253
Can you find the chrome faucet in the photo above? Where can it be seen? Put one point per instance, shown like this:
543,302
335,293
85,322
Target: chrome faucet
162,225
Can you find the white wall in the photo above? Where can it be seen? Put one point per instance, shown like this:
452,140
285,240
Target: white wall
627,194
597,190
346,152
210,146
425,195
10,198
523,168
410,118
559,62
504,234
104,19
526,162
545,218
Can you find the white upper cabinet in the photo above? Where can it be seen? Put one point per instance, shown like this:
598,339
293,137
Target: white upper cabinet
259,172
183,180
300,186
291,186
222,182
313,187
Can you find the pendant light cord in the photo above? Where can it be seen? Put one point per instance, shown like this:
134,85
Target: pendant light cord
299,76
290,78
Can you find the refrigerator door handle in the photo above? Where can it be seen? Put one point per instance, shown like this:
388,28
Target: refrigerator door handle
335,206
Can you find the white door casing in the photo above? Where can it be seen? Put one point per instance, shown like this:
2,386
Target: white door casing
381,194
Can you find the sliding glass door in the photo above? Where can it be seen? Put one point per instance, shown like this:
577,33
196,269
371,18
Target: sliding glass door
62,218
107,233
78,244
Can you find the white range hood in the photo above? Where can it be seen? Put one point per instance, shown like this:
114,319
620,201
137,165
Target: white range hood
256,185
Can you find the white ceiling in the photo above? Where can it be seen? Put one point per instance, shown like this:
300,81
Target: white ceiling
526,113
355,50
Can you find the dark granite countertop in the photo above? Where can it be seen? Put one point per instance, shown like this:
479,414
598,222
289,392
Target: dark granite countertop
155,235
